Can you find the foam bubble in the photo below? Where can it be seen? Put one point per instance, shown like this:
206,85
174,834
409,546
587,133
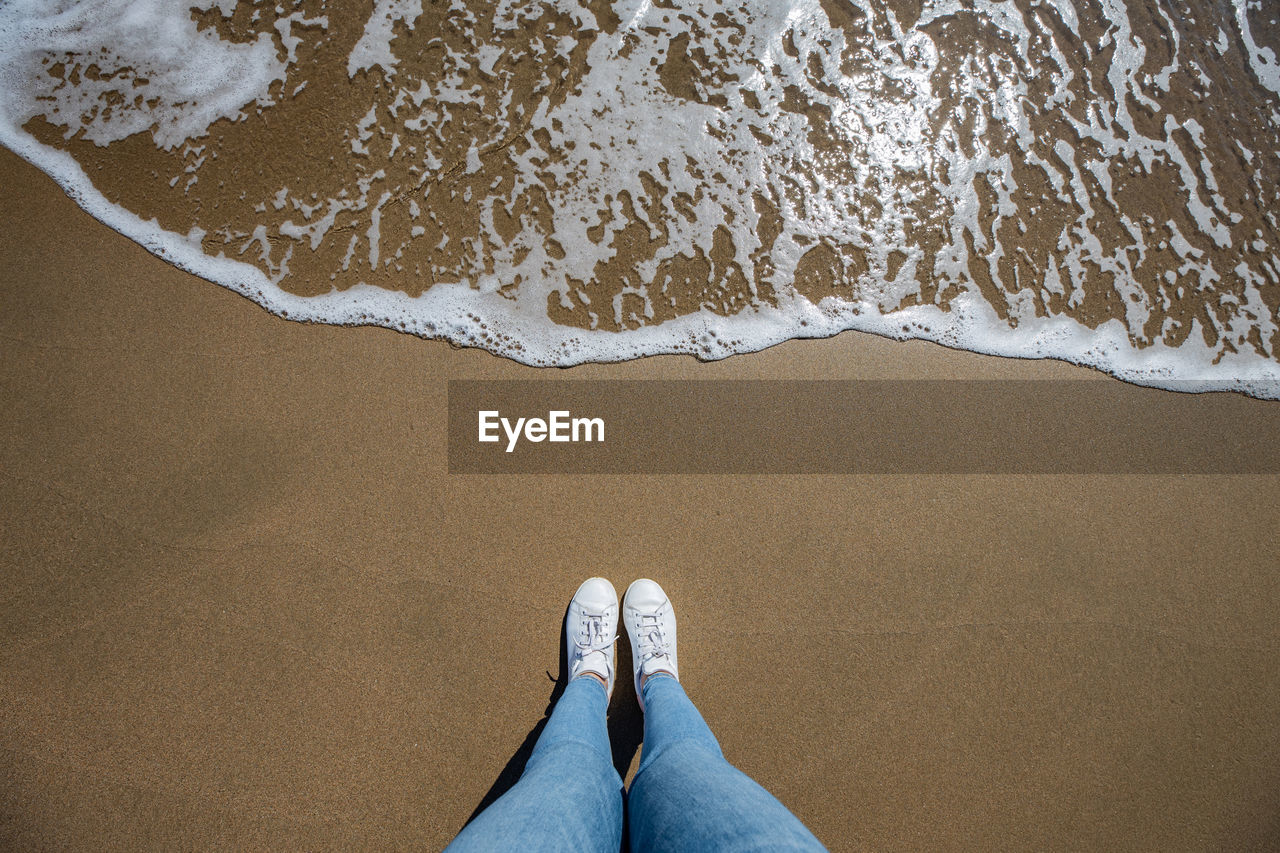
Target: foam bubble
145,69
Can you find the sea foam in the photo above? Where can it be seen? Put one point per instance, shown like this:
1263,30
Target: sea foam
584,182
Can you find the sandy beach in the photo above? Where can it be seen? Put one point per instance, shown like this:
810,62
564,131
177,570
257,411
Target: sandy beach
247,607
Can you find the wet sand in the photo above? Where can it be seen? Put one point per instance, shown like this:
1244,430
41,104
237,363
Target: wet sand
1090,181
247,607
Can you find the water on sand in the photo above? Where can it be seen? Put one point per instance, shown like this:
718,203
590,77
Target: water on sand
1091,180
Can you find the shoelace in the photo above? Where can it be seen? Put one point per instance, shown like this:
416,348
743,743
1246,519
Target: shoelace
652,642
595,640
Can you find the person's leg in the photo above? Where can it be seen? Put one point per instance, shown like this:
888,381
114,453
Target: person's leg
569,796
685,795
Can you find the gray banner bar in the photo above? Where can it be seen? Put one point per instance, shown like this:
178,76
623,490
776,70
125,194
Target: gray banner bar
855,427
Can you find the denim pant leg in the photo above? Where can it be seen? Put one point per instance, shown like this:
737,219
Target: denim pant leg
686,797
569,796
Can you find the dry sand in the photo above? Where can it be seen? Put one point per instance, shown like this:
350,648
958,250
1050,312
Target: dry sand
245,605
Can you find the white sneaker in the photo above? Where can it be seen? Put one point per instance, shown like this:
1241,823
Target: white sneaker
651,627
591,629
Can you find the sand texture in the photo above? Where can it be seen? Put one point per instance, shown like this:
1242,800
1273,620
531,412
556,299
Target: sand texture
245,605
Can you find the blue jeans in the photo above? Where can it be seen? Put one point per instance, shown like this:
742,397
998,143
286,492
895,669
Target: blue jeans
685,796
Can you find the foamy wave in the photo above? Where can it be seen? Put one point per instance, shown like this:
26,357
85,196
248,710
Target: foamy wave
575,181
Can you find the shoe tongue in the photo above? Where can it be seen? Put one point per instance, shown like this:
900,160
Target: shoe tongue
595,661
656,662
